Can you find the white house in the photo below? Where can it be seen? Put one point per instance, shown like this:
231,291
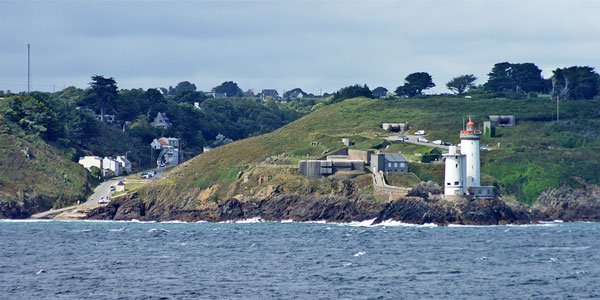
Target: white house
169,150
125,163
120,187
91,161
112,165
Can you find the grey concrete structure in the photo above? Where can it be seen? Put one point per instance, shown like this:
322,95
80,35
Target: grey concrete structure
481,192
396,127
360,155
489,129
324,168
508,120
389,163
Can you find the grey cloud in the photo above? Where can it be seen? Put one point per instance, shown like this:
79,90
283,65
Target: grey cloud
286,44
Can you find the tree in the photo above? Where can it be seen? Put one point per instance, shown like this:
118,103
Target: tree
103,92
33,116
142,129
154,97
462,83
185,86
189,97
380,92
509,77
220,140
96,172
527,77
352,91
414,84
575,83
229,88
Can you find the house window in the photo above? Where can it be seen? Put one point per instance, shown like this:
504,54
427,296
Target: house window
457,166
389,165
395,165
448,183
402,165
456,183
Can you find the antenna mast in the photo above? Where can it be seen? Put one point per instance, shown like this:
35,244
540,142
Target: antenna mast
28,68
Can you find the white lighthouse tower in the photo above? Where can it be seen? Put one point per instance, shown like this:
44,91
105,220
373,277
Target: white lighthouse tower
454,179
463,175
469,146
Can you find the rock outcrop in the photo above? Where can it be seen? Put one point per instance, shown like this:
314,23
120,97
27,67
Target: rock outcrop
13,210
567,204
277,207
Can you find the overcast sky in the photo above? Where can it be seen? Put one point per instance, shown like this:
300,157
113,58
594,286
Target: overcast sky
286,44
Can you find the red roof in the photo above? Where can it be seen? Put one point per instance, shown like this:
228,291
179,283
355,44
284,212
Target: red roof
162,142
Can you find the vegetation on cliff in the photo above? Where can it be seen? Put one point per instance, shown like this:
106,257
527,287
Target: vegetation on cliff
523,160
36,175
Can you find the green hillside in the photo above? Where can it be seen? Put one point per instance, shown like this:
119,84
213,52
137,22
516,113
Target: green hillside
535,154
36,174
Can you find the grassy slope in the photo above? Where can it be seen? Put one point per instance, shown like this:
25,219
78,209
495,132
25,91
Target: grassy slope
43,180
533,155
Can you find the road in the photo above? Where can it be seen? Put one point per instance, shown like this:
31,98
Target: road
103,190
414,139
79,211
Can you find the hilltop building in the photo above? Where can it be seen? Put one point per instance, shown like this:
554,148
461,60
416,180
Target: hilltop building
395,127
161,121
462,169
169,151
270,93
508,120
390,163
125,163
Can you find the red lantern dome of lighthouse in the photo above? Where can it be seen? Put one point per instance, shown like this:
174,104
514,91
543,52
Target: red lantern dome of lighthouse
470,127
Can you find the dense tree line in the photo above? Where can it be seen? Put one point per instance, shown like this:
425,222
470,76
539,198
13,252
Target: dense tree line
63,118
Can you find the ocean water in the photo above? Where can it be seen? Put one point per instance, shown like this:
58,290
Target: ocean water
255,260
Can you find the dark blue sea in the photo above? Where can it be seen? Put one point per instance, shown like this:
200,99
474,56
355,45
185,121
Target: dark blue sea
133,260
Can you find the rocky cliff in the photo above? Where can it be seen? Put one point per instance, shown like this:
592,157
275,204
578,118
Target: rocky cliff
569,204
277,207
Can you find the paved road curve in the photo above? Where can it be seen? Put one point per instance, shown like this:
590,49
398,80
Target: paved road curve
413,139
103,190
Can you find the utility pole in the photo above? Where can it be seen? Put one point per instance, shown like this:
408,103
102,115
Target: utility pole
28,68
557,111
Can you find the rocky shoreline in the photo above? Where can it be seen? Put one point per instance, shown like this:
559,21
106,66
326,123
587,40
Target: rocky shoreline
420,207
414,210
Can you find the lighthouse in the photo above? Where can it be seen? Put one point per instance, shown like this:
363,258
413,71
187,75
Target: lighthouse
469,146
462,170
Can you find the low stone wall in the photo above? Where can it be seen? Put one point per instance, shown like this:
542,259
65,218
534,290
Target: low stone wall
386,192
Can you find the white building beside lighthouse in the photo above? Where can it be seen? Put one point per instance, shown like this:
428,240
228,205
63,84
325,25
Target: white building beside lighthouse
463,167
454,177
